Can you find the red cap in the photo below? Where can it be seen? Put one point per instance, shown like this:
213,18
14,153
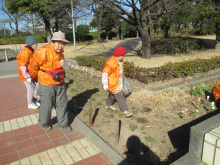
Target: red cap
120,51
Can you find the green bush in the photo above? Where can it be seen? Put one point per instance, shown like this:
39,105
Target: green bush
167,71
21,39
110,35
82,31
175,45
94,35
88,37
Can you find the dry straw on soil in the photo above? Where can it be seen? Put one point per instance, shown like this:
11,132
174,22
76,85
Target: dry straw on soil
164,101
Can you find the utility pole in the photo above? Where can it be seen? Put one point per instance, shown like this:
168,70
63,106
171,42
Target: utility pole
73,22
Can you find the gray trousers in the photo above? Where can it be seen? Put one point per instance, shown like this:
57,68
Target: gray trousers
120,98
53,96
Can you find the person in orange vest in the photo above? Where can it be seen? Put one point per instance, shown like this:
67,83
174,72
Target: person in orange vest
23,60
216,91
113,81
47,65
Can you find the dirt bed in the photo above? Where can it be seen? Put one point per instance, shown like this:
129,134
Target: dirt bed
152,134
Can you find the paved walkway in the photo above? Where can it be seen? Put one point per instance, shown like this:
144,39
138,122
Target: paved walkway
22,141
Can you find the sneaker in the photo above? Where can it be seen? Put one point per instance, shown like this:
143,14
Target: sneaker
37,103
67,128
32,106
45,127
111,107
38,97
127,113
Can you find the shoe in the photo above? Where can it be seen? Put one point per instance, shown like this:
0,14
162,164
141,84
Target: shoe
37,103
67,128
32,106
45,127
127,113
111,107
38,97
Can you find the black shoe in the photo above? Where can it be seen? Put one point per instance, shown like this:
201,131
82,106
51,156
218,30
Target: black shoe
67,128
45,127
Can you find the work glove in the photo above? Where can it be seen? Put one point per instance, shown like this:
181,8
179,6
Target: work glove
105,87
29,80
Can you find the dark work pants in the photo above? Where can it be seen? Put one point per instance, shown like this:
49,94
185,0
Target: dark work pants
53,96
120,98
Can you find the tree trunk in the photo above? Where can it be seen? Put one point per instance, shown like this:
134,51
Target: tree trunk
106,38
146,47
145,38
33,26
98,22
16,25
166,31
47,29
217,36
137,36
99,31
117,27
56,25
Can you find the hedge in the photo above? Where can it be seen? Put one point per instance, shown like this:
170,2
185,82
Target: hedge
20,39
176,45
165,72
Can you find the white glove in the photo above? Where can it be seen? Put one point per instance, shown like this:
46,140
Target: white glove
29,80
105,87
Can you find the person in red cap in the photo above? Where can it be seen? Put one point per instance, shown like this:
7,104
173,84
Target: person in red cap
47,65
112,80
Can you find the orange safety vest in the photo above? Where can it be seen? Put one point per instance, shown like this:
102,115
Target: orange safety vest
112,67
216,90
47,59
23,58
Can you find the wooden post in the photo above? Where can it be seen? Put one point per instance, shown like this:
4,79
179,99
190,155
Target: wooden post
116,128
90,112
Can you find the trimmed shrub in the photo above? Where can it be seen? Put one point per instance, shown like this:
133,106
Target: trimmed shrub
175,45
82,31
94,35
165,72
88,37
20,39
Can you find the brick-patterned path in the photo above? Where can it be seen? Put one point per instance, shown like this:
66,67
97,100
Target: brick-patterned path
23,142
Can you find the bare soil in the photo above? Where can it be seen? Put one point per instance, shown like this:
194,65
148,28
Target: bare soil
158,133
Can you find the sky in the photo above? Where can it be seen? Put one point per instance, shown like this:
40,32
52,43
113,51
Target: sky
4,17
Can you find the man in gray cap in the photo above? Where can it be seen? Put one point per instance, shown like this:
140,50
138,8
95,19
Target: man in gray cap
47,65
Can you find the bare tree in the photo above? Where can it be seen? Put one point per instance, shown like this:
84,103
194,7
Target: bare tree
142,14
98,9
13,17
